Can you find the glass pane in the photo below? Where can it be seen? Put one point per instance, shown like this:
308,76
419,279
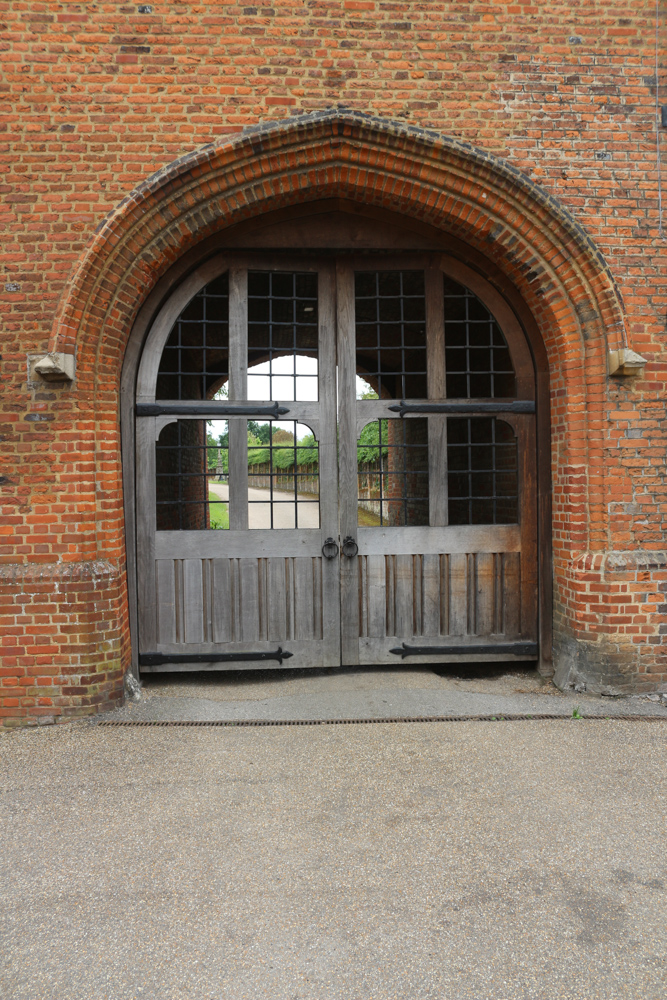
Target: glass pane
195,359
283,475
477,358
282,335
390,322
482,481
392,473
191,464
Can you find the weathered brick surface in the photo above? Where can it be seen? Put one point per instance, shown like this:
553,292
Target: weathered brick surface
123,149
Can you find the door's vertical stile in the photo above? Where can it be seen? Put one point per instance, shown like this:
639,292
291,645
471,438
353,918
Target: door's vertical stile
328,458
525,428
347,463
238,427
437,424
146,527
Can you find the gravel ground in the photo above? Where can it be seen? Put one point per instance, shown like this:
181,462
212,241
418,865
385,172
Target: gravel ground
443,860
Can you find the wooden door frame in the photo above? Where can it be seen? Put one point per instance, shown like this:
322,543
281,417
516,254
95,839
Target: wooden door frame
459,261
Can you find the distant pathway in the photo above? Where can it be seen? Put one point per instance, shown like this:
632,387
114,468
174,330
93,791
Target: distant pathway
259,514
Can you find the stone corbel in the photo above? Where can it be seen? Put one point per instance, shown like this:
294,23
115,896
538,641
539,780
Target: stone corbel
53,367
625,362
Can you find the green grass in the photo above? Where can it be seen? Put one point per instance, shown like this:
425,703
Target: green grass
219,512
366,519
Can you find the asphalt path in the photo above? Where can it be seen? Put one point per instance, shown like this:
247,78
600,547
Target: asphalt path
259,508
445,860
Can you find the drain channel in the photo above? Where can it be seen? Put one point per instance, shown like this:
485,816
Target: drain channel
254,723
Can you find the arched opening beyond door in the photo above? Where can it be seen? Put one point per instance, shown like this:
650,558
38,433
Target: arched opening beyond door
335,457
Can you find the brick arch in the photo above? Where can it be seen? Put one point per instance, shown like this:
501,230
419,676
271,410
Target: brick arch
476,198
469,193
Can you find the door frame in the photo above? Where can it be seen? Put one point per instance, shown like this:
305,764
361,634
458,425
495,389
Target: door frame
463,265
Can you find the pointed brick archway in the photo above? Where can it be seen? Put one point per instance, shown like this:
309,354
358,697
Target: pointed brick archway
537,254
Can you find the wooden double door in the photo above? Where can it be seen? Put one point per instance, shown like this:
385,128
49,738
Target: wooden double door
335,465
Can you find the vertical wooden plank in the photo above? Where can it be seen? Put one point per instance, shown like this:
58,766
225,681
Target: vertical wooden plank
430,594
146,526
318,608
390,594
303,598
511,593
262,599
363,596
238,427
404,597
328,459
277,599
235,590
497,593
444,594
221,601
376,585
417,598
166,601
347,459
249,599
193,601
437,424
484,593
458,593
289,591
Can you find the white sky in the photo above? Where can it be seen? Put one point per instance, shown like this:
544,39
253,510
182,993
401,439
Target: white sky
284,371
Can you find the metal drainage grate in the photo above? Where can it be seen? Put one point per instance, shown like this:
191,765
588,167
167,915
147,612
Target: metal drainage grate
253,723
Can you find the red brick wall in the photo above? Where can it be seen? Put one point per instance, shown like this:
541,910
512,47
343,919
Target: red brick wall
101,98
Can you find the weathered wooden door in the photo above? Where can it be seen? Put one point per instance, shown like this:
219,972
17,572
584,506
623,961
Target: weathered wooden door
437,470
335,463
236,396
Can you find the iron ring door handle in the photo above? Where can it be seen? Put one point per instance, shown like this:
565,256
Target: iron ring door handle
350,547
330,548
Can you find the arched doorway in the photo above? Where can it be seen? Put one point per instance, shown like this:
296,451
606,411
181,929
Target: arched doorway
336,456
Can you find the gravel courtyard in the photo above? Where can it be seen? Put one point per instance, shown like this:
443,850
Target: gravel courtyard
438,860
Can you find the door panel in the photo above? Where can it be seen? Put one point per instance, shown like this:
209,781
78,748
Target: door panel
334,465
209,457
445,504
